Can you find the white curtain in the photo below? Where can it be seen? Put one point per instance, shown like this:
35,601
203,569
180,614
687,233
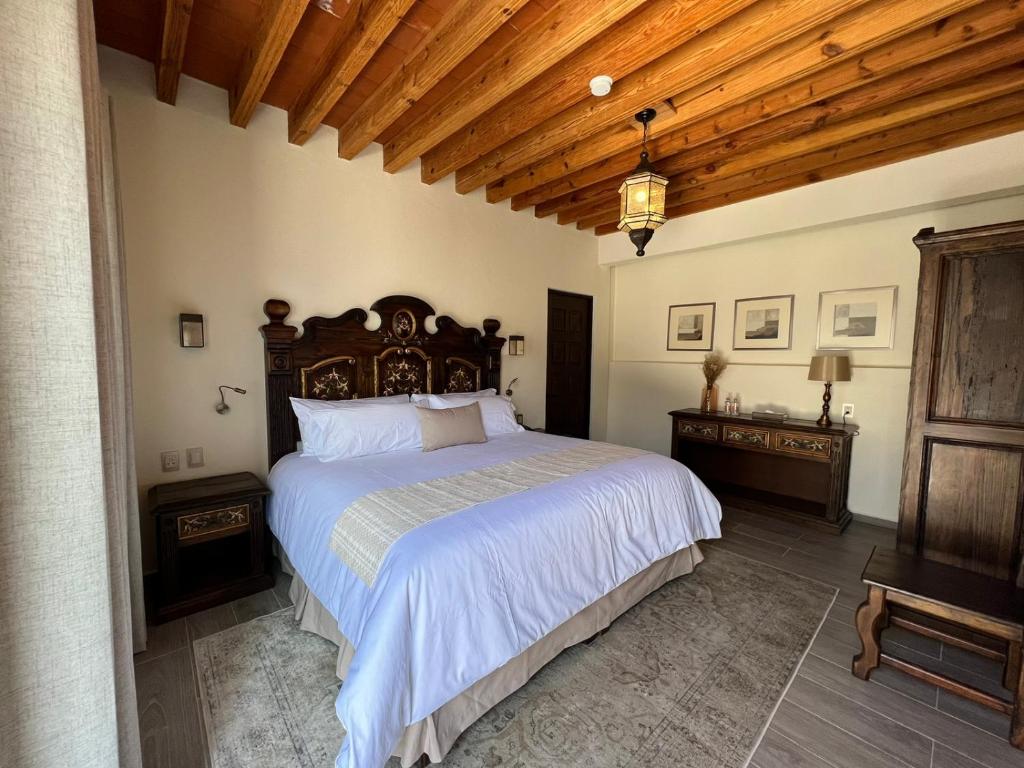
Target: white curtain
70,571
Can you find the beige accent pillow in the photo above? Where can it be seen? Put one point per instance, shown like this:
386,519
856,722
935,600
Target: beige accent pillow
444,427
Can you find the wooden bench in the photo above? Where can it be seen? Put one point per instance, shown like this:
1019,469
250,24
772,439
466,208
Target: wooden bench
984,605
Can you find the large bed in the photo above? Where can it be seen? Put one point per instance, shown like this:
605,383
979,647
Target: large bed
458,612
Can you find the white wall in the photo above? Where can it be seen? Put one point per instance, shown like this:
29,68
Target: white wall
646,381
218,219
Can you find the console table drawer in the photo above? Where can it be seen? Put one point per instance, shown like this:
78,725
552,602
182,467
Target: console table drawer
699,430
757,438
804,445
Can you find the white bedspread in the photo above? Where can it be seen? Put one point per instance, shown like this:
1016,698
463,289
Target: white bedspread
458,597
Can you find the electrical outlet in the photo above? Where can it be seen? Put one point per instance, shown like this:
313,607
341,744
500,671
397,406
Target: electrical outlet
847,409
169,461
194,457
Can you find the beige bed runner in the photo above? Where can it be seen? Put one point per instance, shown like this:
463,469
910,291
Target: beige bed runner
369,527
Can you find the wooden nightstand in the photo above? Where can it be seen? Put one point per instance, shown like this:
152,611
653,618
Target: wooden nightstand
211,542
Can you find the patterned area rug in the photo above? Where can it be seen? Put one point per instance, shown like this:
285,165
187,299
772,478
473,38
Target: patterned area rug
688,678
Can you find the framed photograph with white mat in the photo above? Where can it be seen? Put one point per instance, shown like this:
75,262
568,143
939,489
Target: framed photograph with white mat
765,322
861,318
691,327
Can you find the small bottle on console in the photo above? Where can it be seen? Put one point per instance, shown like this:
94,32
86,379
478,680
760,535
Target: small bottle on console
736,405
728,404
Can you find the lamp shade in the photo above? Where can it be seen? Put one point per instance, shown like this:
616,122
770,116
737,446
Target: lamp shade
829,368
642,200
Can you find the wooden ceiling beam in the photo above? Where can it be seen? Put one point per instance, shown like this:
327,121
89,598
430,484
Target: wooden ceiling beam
741,97
366,25
566,26
796,35
936,125
905,83
173,37
621,50
461,30
278,20
918,109
924,146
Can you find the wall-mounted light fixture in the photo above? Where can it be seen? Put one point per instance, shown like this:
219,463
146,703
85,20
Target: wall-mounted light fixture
517,346
642,205
222,407
190,330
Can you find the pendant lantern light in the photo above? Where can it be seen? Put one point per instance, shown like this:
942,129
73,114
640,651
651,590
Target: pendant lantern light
642,195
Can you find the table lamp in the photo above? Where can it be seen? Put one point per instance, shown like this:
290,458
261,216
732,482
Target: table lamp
828,368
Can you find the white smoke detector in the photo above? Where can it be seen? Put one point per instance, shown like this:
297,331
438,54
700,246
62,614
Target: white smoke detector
601,85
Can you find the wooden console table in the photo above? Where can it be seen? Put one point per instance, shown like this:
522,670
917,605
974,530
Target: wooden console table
792,469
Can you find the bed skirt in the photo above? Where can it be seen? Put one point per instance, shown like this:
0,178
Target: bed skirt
435,734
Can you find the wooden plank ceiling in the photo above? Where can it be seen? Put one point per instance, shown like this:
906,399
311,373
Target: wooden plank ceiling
753,96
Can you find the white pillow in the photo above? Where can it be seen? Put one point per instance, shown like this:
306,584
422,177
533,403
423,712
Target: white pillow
492,392
498,414
344,433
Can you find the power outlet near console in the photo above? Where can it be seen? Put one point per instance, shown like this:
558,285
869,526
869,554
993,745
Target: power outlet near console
847,409
169,461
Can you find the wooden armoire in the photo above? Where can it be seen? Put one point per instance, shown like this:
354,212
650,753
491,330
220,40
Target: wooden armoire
962,497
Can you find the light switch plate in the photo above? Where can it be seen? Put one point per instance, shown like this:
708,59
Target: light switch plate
194,457
169,461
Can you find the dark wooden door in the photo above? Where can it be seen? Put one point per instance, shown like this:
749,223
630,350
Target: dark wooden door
568,377
963,475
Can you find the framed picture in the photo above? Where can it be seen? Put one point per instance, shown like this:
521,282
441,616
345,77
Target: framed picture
691,327
763,323
862,318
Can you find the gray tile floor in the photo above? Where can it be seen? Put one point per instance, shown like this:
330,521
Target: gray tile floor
828,718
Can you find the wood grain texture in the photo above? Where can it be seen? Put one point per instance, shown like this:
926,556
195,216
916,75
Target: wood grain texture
610,154
366,26
914,81
719,70
887,129
620,51
173,36
456,35
278,21
169,723
562,30
836,170
972,499
962,499
690,66
981,382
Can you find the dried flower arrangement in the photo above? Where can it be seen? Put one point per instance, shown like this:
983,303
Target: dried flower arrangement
714,365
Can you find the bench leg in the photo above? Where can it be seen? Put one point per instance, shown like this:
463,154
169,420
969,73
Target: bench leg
1017,719
871,617
1011,672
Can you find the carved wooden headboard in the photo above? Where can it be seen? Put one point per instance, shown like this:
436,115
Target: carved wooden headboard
337,358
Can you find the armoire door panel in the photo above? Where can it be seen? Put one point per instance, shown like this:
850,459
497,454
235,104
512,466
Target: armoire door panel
962,495
979,371
971,507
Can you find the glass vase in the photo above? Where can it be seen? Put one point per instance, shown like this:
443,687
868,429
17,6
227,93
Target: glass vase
709,399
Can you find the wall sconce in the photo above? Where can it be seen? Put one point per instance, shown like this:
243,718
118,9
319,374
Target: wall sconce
222,407
190,330
517,346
